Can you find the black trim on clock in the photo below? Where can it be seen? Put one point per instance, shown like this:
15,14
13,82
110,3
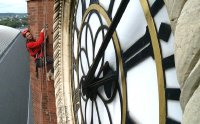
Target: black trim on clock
106,106
74,64
86,102
82,50
76,29
100,29
83,7
92,113
110,9
97,111
86,41
94,1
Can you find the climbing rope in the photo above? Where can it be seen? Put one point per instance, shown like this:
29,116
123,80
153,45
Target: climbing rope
41,97
43,70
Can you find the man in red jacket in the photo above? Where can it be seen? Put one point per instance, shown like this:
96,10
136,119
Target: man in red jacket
34,46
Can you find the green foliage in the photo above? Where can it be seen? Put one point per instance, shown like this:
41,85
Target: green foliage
14,22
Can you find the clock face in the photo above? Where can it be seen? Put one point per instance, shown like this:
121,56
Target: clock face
123,63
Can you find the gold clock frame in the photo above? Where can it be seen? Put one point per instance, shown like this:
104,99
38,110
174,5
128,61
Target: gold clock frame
158,60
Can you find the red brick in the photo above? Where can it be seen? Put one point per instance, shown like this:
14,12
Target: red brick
43,95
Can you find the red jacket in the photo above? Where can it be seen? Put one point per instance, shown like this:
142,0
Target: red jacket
34,47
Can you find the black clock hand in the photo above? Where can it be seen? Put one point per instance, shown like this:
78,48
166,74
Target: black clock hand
90,76
108,78
91,89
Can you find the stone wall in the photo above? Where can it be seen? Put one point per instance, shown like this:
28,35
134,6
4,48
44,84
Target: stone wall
62,61
185,19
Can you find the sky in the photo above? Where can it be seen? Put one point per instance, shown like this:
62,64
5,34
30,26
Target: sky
13,6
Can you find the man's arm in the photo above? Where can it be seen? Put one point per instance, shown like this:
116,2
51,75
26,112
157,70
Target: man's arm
38,42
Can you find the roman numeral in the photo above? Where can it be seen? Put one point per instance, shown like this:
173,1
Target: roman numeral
164,32
129,120
142,48
139,51
172,93
171,121
168,62
157,5
140,56
143,41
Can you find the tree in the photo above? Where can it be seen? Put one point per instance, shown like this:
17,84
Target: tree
14,22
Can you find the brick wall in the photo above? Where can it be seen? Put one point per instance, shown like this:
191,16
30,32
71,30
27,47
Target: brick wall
39,12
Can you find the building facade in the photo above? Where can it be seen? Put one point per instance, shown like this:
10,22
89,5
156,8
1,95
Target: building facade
40,13
184,22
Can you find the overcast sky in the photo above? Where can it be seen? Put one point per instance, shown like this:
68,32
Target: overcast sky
13,6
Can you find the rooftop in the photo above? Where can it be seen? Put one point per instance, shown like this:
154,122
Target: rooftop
7,37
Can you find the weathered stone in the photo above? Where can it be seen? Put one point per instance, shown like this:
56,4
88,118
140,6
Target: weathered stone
187,60
174,8
190,85
192,113
187,45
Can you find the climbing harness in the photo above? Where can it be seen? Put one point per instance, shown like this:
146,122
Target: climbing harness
38,63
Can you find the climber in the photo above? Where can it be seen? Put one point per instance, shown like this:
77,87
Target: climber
34,47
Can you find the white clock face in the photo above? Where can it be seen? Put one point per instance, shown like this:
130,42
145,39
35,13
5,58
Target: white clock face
123,65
